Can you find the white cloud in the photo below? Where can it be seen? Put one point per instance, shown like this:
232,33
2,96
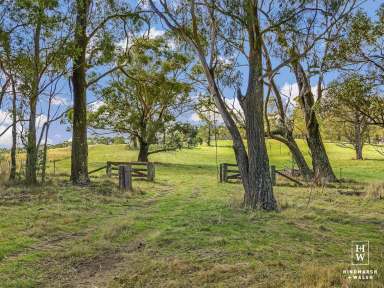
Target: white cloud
6,138
40,120
145,5
152,33
5,118
291,91
233,104
95,105
174,4
6,121
122,45
195,117
59,101
226,60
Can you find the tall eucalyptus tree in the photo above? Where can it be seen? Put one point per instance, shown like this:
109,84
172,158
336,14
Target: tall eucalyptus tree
313,36
98,27
216,30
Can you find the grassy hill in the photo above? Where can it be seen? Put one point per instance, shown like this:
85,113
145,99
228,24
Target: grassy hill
188,230
371,169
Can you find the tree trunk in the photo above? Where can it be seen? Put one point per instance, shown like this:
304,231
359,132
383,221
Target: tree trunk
238,144
134,142
7,49
321,166
12,175
358,137
209,134
45,150
143,152
31,167
30,175
359,151
320,162
298,156
260,191
79,166
305,171
285,134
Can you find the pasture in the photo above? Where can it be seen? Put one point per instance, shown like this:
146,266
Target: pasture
186,229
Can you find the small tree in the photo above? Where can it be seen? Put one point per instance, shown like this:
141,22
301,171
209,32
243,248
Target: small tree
97,27
144,98
183,135
361,48
338,106
205,109
35,61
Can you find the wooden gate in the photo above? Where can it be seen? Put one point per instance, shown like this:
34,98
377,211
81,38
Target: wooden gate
231,172
144,170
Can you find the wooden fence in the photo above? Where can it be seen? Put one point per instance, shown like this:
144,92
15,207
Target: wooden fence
231,172
128,170
139,169
54,161
125,177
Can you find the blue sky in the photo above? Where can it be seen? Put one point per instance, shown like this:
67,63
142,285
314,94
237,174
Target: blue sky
60,132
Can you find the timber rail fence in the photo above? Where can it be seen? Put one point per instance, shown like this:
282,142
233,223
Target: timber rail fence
128,170
145,170
139,169
231,172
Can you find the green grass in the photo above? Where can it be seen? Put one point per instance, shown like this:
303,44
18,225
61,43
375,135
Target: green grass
344,165
187,230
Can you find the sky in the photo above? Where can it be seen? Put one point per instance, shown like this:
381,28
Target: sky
60,132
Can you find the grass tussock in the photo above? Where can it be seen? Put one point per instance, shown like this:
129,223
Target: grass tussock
375,191
116,230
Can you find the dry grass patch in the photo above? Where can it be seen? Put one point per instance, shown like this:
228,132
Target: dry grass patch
375,191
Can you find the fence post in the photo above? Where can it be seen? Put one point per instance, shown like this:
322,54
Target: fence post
125,177
273,175
150,171
225,172
109,169
54,167
221,172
